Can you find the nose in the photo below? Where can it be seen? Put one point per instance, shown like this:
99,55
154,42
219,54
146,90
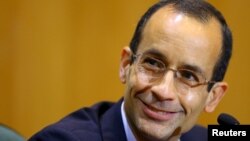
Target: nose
166,89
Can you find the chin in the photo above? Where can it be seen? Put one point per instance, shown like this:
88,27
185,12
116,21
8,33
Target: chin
153,130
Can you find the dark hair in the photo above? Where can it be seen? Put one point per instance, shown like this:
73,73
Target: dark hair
203,12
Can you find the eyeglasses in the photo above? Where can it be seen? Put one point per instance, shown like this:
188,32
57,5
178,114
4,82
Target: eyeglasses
151,70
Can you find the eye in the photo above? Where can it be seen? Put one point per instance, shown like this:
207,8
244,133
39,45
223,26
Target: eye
188,76
150,63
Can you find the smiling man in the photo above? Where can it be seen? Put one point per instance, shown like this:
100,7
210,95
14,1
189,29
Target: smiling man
173,70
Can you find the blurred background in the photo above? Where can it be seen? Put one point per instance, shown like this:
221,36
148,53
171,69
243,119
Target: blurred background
57,56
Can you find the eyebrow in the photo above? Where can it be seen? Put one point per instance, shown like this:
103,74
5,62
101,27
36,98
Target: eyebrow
156,53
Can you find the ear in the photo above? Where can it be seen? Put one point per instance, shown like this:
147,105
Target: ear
215,95
125,63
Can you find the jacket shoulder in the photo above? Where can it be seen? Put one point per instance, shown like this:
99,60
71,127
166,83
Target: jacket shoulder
197,133
83,124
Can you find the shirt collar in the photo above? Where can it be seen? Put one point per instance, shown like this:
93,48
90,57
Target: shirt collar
129,134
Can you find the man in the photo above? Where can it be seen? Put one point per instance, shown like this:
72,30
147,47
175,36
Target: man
173,70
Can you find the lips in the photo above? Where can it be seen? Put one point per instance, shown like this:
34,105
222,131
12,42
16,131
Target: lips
157,114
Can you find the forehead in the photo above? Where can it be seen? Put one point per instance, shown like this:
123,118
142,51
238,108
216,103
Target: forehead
169,21
183,39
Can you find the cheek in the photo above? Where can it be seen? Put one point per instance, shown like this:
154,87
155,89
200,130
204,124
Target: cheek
135,83
194,105
194,102
133,86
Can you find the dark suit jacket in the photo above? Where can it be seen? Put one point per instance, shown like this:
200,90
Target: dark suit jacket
102,122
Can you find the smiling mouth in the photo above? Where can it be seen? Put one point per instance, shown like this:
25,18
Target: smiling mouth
157,114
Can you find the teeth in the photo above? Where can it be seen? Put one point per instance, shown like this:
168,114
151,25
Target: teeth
162,113
156,110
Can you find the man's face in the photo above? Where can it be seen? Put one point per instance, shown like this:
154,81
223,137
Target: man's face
160,110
